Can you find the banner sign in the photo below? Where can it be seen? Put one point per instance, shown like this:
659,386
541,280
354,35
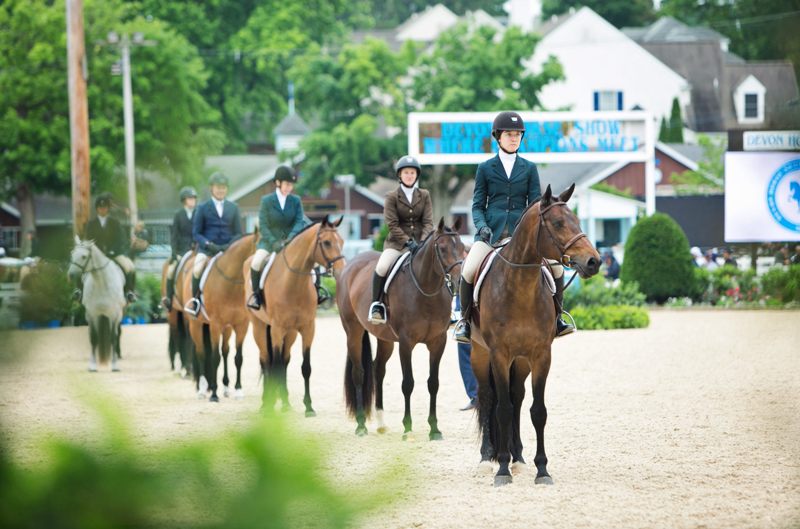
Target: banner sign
550,137
762,197
776,140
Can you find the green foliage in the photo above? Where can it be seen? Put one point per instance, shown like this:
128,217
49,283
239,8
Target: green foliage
119,482
329,283
391,13
710,173
377,244
597,292
663,131
47,294
782,284
611,190
726,286
610,317
148,304
620,13
657,258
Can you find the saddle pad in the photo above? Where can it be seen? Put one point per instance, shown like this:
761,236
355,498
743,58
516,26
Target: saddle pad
487,264
264,272
203,279
395,268
547,276
185,257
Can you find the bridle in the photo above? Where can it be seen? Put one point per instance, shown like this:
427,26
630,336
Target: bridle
447,280
318,244
83,269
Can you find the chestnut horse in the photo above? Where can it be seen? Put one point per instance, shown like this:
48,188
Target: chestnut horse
290,307
418,305
514,329
223,300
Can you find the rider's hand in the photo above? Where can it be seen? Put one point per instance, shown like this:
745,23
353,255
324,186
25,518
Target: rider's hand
485,234
411,244
212,247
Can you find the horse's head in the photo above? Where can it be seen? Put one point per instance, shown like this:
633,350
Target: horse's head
328,252
79,258
449,246
560,236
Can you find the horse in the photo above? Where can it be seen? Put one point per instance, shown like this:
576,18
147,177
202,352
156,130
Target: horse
179,345
223,314
290,307
103,298
794,188
418,302
514,328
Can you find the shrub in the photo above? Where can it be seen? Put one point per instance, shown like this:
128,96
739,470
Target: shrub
329,283
47,294
597,291
379,240
657,258
610,317
782,284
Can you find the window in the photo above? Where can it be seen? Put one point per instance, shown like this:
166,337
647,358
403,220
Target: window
751,105
608,100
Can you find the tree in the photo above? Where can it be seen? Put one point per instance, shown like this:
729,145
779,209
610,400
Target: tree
672,130
620,13
710,174
175,127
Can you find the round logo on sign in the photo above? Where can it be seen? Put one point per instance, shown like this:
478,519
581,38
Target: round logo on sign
783,195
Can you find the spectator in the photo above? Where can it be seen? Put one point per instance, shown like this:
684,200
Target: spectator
611,266
711,261
796,257
782,255
697,257
729,260
140,240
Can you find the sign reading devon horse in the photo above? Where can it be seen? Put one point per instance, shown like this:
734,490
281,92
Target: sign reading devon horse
550,137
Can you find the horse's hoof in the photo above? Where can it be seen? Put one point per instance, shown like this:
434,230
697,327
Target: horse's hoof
311,413
518,467
92,369
435,436
543,480
184,373
238,394
409,436
286,408
202,385
115,369
213,398
501,480
382,429
201,395
226,392
485,468
361,431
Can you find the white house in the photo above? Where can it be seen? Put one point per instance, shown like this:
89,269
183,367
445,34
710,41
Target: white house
604,68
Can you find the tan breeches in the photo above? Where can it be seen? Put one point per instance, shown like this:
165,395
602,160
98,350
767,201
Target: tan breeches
388,257
199,263
478,253
125,263
171,269
259,260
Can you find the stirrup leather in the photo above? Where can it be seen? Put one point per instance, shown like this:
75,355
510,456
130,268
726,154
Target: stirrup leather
377,306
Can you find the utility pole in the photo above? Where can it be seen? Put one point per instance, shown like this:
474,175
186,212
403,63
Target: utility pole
124,43
77,73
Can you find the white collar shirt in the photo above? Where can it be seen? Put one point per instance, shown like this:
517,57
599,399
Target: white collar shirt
219,205
281,199
102,220
507,161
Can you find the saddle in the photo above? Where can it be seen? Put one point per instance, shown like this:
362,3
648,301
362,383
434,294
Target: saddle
398,264
486,265
203,279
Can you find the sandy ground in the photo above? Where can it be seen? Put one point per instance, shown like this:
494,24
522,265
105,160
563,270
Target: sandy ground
693,422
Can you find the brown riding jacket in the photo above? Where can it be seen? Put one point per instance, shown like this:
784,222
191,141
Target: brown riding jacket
407,220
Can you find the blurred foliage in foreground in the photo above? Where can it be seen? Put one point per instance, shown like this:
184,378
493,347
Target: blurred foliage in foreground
266,477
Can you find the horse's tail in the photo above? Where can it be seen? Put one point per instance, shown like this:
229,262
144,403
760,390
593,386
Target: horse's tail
367,388
104,338
487,414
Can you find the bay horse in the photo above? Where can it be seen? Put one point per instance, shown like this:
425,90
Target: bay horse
103,297
418,303
290,307
514,328
179,345
223,301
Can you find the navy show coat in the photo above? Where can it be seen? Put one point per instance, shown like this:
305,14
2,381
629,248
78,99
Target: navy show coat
208,226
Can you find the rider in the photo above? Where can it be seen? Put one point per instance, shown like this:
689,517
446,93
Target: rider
109,236
180,239
280,217
409,214
504,186
215,225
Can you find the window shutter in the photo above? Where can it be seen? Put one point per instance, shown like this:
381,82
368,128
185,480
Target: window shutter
619,100
597,100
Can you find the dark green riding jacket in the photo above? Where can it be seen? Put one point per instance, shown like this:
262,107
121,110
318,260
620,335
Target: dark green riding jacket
279,225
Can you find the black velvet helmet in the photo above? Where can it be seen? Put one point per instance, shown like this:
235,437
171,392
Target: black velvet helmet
218,179
407,161
102,200
187,192
507,121
284,173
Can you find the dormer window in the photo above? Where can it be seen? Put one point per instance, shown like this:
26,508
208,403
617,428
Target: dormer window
748,100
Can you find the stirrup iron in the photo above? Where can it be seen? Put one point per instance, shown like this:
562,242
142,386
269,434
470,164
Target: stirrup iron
377,305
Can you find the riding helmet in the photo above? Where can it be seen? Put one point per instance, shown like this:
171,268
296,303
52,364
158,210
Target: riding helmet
187,192
102,200
507,121
407,161
284,173
218,179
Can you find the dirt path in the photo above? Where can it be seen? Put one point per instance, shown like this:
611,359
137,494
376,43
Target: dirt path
694,422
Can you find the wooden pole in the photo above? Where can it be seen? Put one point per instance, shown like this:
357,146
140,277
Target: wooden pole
77,73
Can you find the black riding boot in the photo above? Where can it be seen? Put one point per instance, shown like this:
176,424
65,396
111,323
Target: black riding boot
193,305
167,301
322,293
130,287
257,298
562,328
462,332
77,282
377,311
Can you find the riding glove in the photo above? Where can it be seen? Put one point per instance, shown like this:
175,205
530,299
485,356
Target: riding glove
485,234
411,244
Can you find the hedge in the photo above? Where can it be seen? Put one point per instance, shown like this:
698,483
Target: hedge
610,317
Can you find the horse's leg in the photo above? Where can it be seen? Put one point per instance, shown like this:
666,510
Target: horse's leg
479,359
408,384
539,417
283,367
93,338
262,336
307,334
115,331
355,377
213,358
436,349
196,333
500,372
241,332
226,349
385,349
519,372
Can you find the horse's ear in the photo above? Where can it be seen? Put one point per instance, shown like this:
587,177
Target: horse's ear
77,240
326,221
563,197
457,224
547,196
440,227
336,224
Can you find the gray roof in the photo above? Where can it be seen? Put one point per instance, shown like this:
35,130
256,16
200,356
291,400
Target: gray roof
552,23
292,125
692,152
668,29
389,36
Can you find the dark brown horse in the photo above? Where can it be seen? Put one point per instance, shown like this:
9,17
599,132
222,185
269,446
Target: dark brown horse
179,345
418,304
290,307
223,300
514,328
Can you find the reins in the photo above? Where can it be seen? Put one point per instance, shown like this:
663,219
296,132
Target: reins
83,269
447,280
317,244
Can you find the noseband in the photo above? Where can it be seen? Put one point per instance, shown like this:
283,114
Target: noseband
318,244
83,269
565,259
446,278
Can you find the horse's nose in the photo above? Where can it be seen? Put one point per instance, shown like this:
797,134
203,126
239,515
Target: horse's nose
593,265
